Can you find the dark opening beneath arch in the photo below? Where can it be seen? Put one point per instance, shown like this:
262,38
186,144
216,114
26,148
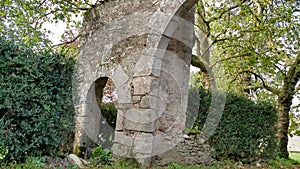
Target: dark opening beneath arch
106,98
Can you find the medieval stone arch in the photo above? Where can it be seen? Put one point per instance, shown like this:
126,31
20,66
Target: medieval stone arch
145,48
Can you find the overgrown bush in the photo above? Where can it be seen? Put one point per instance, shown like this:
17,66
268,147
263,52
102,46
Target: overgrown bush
36,111
246,131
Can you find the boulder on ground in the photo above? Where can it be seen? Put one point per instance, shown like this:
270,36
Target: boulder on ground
73,159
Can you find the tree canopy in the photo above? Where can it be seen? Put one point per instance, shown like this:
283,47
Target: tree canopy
255,50
26,18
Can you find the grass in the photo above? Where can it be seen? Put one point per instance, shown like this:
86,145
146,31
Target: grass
282,163
295,156
274,164
41,163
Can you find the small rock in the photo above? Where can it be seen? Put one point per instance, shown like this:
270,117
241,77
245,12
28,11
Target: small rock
73,159
84,162
185,136
240,164
193,154
258,164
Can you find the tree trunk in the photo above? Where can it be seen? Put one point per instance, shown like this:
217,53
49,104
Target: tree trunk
203,51
284,105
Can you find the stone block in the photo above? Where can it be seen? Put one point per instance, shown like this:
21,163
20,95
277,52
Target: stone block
135,99
119,77
143,148
158,22
148,65
104,54
143,143
153,39
157,142
119,121
175,69
122,150
149,102
145,85
169,156
143,116
123,106
169,7
144,160
124,95
136,126
163,44
122,139
180,29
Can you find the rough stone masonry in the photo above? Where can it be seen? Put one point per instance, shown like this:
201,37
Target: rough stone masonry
145,47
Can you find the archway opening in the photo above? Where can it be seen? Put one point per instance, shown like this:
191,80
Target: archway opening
106,97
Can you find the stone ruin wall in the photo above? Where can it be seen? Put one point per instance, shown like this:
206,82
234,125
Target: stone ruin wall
190,150
145,48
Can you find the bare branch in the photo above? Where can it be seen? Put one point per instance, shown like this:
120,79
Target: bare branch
204,67
43,16
264,85
207,49
215,41
296,10
297,89
41,3
66,43
254,87
293,74
198,62
3,116
232,57
225,11
202,24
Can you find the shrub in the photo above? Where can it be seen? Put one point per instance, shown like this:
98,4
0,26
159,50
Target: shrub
102,155
3,152
246,131
36,111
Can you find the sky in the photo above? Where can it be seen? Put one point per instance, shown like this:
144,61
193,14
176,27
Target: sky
57,29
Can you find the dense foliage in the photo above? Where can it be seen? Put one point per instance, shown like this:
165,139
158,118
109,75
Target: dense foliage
246,131
109,112
254,51
30,19
36,111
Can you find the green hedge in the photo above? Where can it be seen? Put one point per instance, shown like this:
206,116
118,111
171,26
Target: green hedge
36,111
246,131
